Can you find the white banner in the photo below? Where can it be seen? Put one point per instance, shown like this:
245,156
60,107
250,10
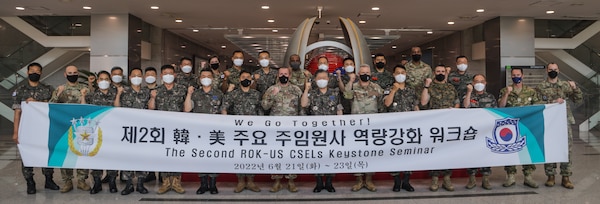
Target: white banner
96,137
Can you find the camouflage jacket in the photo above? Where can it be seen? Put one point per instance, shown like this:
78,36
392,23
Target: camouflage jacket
71,94
460,81
416,75
101,99
234,76
298,78
238,102
332,83
484,100
207,102
266,80
549,92
383,79
527,96
135,99
285,102
366,99
41,92
404,99
170,100
217,80
191,80
327,103
442,95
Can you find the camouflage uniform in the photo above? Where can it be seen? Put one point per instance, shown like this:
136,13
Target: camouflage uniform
346,103
135,99
366,99
460,81
383,79
234,76
207,102
527,96
191,80
332,83
327,103
298,78
42,93
442,95
404,100
416,75
549,92
217,80
484,100
71,94
238,102
102,99
266,80
170,100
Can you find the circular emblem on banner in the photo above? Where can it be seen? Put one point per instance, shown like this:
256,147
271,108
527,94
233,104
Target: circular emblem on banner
506,134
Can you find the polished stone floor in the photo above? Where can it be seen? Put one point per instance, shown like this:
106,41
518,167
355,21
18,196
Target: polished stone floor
586,161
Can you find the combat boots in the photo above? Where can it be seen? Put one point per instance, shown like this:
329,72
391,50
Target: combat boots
166,185
567,183
329,184
406,183
292,186
276,186
176,184
212,187
140,185
203,185
447,184
434,184
112,185
319,187
97,185
359,183
30,186
550,182
128,187
485,183
68,186
397,183
369,182
49,184
471,183
82,185
530,182
241,185
251,185
510,180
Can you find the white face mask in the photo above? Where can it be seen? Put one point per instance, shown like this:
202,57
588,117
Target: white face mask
168,78
136,80
323,67
322,83
206,81
462,67
186,69
238,62
349,68
400,78
264,62
117,78
479,86
103,84
150,79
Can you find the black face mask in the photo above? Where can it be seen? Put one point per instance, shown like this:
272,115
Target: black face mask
552,74
379,65
416,58
214,66
283,79
72,78
245,82
34,77
295,65
365,77
440,77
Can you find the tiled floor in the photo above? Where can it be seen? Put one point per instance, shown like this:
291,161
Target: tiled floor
586,159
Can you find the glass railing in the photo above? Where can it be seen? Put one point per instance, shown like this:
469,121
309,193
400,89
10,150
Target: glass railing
60,25
547,28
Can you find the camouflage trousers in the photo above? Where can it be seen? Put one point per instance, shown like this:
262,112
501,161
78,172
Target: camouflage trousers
565,168
361,174
406,173
67,174
109,173
280,176
486,171
527,169
212,175
436,173
129,174
28,171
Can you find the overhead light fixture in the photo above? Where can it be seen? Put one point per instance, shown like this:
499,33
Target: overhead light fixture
20,8
394,47
154,7
183,46
247,37
549,12
112,17
139,30
275,30
271,20
87,7
195,30
362,22
255,45
429,32
77,24
480,10
375,8
284,37
178,20
265,7
223,46
450,22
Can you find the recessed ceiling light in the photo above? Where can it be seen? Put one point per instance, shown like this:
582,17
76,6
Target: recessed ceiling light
87,7
339,37
375,8
284,37
265,7
394,47
223,46
429,32
178,20
247,36
275,30
450,22
195,30
20,8
255,45
480,10
154,7
362,22
112,17
549,12
271,20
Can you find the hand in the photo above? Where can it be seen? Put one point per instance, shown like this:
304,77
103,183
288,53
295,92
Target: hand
338,72
119,90
60,89
427,82
560,100
573,85
275,90
15,137
306,73
395,87
190,90
83,92
307,86
469,88
352,77
509,89
230,88
153,94
29,99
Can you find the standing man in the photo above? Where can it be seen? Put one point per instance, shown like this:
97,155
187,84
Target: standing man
116,75
366,97
150,78
218,76
401,98
283,99
479,99
554,90
231,80
265,77
205,100
439,95
460,78
134,96
186,78
71,92
322,101
323,64
417,71
169,97
344,78
299,75
381,77
243,101
34,90
517,95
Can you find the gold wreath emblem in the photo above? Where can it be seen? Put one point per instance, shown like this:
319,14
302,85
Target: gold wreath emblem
93,152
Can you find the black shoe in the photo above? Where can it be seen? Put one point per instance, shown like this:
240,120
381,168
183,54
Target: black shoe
49,184
213,186
122,177
203,185
397,183
97,186
112,184
128,188
151,177
105,179
406,184
140,186
30,186
319,187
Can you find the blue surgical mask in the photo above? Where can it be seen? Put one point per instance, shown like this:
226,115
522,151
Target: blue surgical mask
517,80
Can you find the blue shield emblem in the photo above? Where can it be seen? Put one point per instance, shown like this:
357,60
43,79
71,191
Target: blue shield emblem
506,137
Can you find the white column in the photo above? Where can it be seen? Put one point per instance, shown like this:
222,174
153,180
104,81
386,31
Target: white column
109,41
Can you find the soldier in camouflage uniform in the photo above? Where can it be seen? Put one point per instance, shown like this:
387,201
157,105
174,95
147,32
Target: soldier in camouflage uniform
323,64
400,98
322,101
439,95
343,77
71,92
283,99
417,71
232,75
134,96
207,100
554,90
33,90
169,97
299,75
103,96
517,95
460,78
116,75
218,76
479,99
264,77
381,76
366,97
150,78
243,101
186,77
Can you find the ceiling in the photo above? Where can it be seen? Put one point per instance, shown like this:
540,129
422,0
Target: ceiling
242,24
